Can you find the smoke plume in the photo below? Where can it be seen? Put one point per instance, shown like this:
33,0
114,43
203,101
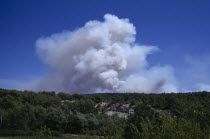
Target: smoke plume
101,57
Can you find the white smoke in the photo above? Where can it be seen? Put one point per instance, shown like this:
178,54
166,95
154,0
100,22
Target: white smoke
101,57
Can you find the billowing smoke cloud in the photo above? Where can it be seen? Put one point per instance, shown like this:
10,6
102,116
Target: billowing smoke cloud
101,57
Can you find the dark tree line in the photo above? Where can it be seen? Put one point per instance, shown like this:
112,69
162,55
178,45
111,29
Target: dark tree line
182,115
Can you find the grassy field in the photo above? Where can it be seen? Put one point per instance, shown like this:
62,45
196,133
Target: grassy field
65,136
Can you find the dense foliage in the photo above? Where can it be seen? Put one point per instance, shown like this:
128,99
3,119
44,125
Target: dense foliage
181,115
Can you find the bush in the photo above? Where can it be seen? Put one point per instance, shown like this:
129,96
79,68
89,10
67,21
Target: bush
44,133
6,132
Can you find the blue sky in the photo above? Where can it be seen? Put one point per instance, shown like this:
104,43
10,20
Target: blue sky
180,28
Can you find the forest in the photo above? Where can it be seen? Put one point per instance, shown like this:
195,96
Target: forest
46,115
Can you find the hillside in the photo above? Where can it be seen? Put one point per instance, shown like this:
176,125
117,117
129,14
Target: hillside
108,115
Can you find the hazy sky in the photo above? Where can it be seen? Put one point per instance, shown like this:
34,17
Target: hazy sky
180,28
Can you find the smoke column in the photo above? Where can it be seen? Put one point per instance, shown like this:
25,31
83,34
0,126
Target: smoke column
101,57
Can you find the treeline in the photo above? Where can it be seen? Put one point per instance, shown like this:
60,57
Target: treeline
181,115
